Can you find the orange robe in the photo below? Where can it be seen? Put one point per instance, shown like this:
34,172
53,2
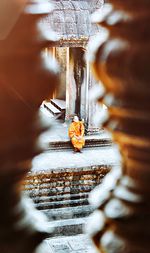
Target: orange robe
76,129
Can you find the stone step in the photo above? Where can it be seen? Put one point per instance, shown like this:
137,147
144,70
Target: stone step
67,173
65,187
64,197
59,204
60,192
42,198
59,104
51,108
66,182
57,114
77,181
67,227
68,212
89,143
65,178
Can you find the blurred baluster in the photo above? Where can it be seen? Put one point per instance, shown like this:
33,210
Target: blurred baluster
121,60
26,78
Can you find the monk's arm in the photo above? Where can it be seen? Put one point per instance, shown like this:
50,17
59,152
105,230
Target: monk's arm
82,129
71,131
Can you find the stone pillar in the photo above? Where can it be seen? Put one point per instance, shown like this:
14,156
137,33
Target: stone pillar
61,56
88,108
25,80
121,223
79,81
79,75
74,80
70,88
84,96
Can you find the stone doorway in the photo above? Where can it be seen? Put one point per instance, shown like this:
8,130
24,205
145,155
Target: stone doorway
76,81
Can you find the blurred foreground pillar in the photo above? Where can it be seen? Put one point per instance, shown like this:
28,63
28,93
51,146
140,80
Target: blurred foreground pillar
121,60
26,78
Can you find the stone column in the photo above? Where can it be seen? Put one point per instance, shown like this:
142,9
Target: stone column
61,56
84,96
79,81
122,220
70,88
74,80
88,108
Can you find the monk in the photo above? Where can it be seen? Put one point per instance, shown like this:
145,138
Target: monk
76,134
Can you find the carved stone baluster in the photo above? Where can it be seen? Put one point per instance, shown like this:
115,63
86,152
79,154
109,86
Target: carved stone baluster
26,78
122,62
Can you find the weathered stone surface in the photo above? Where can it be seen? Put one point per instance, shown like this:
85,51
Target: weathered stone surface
67,184
75,244
67,227
65,213
71,19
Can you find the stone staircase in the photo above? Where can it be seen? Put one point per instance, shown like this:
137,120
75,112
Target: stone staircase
62,194
60,180
56,107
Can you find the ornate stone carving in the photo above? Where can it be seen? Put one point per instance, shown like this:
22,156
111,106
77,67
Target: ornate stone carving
121,60
26,78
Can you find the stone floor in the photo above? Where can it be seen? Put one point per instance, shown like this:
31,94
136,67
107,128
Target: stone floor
71,244
56,159
68,159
